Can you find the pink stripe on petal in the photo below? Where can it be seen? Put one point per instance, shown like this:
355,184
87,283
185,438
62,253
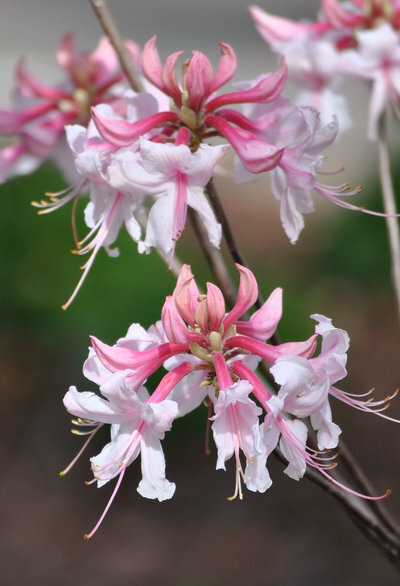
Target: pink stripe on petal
169,381
221,370
259,390
180,205
239,119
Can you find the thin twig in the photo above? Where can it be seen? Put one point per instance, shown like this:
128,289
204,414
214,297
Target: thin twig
389,204
107,23
358,475
359,512
230,240
214,259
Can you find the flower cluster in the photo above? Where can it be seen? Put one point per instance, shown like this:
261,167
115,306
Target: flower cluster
359,38
146,160
41,112
212,356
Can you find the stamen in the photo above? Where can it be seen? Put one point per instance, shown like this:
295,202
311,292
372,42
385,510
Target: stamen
93,531
71,464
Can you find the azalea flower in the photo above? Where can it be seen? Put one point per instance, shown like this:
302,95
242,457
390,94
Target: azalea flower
109,208
41,112
298,131
350,39
179,176
211,356
377,59
137,426
119,180
196,106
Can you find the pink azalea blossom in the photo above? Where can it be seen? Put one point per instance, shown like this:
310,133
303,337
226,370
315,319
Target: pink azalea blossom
312,60
350,39
109,208
377,59
119,180
211,356
41,112
197,107
299,132
177,177
137,426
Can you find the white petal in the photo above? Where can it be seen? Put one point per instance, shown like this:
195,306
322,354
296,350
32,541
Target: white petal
154,485
297,463
257,475
90,406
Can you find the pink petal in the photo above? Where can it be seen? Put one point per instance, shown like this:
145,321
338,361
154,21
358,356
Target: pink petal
168,77
31,87
174,326
266,90
66,55
226,68
151,64
340,18
117,358
247,295
186,295
122,133
306,348
256,155
197,78
263,322
272,353
216,307
274,29
11,122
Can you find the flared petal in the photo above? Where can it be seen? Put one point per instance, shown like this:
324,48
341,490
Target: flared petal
247,296
264,321
153,485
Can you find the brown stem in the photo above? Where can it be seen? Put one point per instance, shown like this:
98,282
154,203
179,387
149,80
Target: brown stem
215,260
389,204
107,23
230,239
359,512
366,486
